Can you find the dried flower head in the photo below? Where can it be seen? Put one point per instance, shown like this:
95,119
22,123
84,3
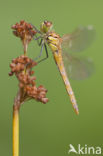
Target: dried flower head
22,68
24,30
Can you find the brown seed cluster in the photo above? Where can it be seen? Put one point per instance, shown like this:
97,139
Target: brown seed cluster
24,30
22,68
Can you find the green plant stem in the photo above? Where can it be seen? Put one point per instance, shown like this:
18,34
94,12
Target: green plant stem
15,131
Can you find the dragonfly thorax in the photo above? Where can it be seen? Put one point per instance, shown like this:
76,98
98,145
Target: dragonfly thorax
54,41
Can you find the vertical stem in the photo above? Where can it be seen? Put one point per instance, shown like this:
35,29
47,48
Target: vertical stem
15,131
25,46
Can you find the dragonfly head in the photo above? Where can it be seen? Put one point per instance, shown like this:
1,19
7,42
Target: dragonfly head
46,26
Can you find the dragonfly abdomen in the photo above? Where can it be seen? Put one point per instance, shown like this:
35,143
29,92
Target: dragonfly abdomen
60,64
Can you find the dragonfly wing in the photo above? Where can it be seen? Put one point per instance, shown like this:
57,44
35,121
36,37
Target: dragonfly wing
80,39
77,68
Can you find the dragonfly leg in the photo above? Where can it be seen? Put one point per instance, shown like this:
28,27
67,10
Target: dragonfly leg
38,56
46,54
35,28
40,52
39,43
37,39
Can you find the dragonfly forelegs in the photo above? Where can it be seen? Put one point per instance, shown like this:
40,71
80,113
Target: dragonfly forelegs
46,54
37,39
35,28
39,55
40,52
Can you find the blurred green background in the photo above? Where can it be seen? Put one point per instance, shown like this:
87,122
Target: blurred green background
47,130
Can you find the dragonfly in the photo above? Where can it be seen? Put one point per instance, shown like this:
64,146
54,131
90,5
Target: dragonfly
63,50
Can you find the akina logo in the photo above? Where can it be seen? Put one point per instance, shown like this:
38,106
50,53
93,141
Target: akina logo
85,149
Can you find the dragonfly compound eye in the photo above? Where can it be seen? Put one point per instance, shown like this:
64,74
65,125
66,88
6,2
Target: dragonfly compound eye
46,26
48,23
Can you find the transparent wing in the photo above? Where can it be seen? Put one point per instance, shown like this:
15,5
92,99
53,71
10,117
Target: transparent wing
80,39
77,68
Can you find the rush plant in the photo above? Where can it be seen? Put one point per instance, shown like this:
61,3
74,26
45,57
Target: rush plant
22,68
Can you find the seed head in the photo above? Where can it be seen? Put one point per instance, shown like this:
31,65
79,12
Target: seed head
22,68
24,31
